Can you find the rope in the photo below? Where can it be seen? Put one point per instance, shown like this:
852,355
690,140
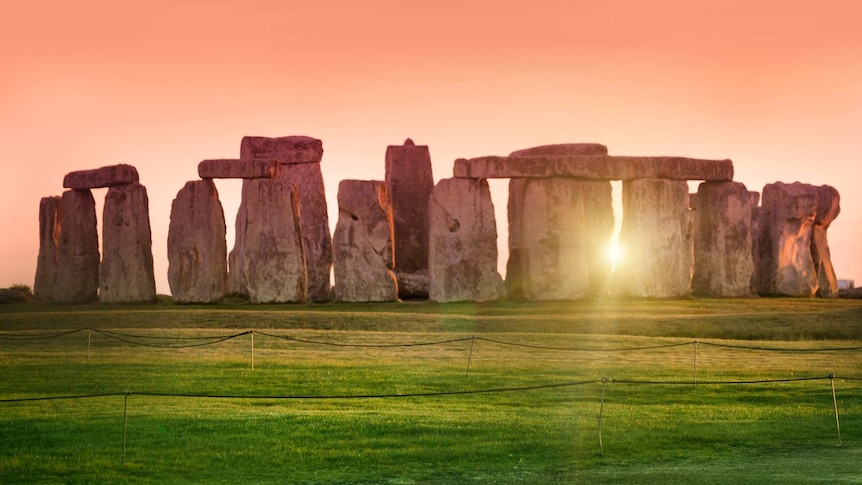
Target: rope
11,336
377,346
779,349
584,349
163,346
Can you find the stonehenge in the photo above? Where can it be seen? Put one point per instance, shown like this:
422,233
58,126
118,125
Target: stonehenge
70,268
407,237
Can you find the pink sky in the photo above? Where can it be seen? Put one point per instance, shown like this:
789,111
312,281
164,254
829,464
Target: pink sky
164,84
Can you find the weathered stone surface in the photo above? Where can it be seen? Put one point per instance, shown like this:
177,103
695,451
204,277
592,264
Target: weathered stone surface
553,240
562,150
408,173
721,222
239,169
49,241
785,264
77,278
126,271
101,177
298,156
413,285
197,251
363,243
274,263
655,239
828,208
462,252
595,167
285,149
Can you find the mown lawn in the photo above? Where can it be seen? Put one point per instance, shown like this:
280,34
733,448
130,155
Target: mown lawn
325,403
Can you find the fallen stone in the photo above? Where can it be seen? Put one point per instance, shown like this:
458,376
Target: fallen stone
101,177
197,251
126,272
413,285
77,279
239,169
828,208
462,251
299,157
363,243
595,167
655,239
786,218
49,240
408,173
723,261
286,149
274,263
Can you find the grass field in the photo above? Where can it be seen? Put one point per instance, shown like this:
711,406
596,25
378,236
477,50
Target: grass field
328,402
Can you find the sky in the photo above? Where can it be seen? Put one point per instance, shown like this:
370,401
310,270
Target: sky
164,84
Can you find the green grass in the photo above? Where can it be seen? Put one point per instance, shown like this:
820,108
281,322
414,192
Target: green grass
650,433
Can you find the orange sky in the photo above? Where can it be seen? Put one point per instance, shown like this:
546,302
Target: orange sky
164,84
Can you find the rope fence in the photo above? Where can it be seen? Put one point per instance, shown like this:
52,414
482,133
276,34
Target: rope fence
187,342
605,383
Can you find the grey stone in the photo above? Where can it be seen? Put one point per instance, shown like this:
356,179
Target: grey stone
786,218
655,239
462,252
274,267
562,150
723,261
126,271
828,208
594,167
363,243
77,279
49,240
239,169
101,177
299,157
554,243
197,251
408,173
285,149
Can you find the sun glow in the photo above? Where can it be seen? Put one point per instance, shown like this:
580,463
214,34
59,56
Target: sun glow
615,254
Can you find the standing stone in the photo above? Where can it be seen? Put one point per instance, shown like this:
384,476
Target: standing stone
462,251
785,264
237,283
553,240
274,264
300,158
598,219
828,207
363,243
78,251
197,251
126,272
656,239
723,263
408,173
49,241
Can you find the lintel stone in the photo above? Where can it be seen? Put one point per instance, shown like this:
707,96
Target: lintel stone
109,176
595,167
256,168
